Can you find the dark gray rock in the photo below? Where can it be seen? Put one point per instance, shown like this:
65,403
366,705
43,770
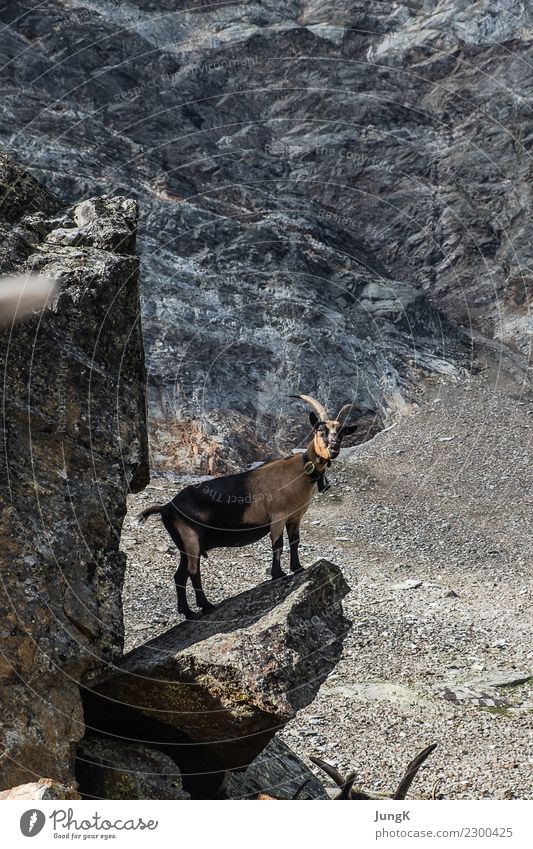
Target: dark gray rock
230,680
278,772
114,769
319,183
75,445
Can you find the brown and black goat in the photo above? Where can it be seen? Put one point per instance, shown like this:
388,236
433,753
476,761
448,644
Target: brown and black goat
240,509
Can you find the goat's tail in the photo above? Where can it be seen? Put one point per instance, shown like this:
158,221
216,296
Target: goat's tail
155,508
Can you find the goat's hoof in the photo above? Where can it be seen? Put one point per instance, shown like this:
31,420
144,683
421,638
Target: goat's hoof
208,608
280,574
297,570
189,614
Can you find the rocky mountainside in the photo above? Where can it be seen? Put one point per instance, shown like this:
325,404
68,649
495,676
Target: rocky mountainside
323,187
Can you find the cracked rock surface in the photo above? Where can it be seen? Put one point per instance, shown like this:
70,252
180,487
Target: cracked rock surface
323,186
75,445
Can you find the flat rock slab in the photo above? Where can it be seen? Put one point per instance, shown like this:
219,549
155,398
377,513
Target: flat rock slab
505,678
408,585
230,680
464,694
278,772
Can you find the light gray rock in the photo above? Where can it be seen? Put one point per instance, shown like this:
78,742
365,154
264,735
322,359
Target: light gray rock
45,788
231,679
407,585
506,678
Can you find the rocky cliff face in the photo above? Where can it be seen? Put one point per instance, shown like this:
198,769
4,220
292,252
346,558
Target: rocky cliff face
74,444
320,183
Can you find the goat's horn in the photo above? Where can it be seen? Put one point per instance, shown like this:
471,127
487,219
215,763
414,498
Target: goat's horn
345,411
333,773
346,791
411,772
319,409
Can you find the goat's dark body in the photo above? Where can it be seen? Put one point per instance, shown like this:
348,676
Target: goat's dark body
228,497
224,536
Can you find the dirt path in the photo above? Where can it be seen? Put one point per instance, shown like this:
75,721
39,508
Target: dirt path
431,523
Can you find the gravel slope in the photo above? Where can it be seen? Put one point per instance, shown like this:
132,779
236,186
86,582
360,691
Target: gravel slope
431,524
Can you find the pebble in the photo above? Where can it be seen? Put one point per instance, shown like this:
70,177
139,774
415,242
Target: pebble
407,585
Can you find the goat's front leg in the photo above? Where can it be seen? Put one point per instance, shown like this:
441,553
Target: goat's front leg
276,536
293,532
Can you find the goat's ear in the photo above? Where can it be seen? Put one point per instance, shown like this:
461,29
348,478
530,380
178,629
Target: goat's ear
347,431
313,418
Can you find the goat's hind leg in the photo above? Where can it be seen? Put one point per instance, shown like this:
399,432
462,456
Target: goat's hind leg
180,580
181,574
201,601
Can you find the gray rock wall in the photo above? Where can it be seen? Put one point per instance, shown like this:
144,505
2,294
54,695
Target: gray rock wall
319,184
74,444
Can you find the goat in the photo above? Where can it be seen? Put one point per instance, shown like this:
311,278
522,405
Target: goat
240,509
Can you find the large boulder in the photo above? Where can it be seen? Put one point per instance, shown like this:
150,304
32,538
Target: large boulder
229,681
75,445
114,769
277,772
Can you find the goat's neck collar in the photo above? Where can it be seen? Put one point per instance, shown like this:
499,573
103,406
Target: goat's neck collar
311,458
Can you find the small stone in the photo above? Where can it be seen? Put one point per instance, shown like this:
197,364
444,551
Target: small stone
408,585
507,678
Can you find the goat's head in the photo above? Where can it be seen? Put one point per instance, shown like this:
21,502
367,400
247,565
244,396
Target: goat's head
329,433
